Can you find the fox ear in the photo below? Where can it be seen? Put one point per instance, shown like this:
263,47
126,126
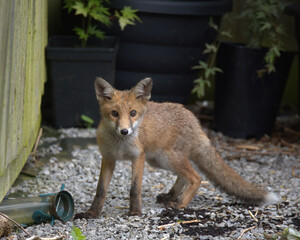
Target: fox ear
143,89
104,91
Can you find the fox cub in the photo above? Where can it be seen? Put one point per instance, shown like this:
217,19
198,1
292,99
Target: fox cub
167,136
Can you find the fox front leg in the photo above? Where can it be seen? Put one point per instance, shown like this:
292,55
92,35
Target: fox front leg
107,168
136,185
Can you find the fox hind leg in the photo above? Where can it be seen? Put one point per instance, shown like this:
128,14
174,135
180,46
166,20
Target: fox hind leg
186,185
190,190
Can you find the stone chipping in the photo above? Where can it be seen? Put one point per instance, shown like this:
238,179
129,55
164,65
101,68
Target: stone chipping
210,215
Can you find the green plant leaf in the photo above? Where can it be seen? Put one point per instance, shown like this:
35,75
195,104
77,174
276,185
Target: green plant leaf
290,233
80,9
130,13
210,48
77,234
101,14
212,24
216,69
266,26
127,16
123,22
81,33
69,5
92,4
199,88
92,30
226,34
208,72
87,119
203,65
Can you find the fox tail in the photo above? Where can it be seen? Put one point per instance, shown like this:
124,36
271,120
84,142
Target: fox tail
209,162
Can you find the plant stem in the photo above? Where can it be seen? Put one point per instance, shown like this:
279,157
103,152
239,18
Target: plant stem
19,225
83,41
214,56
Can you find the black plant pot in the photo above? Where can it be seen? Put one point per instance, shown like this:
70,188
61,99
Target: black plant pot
168,42
69,91
246,105
294,9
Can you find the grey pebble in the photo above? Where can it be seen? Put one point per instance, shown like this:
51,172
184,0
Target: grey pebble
80,175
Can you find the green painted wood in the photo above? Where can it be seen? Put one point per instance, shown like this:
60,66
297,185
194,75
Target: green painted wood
23,31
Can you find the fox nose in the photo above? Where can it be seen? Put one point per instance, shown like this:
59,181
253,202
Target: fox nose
124,131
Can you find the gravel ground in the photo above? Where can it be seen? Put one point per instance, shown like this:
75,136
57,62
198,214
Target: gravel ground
75,161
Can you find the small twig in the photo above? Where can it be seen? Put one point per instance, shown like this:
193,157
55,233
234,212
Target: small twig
258,152
191,221
19,225
245,230
37,142
248,147
255,219
162,227
172,224
39,238
30,236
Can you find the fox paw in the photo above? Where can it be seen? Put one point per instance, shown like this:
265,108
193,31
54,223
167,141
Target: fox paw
164,198
86,215
134,213
173,205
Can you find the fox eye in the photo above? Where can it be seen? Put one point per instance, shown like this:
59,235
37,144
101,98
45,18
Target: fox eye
133,113
115,114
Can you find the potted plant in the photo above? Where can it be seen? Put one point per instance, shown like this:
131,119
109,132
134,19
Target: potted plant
166,44
250,77
74,61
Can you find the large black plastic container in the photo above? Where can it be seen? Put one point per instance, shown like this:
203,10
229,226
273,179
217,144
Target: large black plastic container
246,105
69,90
166,44
294,9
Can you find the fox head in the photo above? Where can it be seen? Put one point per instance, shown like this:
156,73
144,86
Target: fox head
123,111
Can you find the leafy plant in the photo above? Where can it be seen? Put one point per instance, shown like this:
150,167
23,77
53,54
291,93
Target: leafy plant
264,28
290,233
265,25
88,122
97,11
77,234
208,68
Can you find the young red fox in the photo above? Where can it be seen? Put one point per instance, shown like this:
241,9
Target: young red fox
167,136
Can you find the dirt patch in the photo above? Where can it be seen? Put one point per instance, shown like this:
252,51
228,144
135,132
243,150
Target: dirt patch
196,228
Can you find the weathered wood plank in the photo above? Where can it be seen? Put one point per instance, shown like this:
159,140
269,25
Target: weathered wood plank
23,31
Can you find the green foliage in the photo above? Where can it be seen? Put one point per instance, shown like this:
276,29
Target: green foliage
97,11
265,23
77,234
207,68
88,122
127,17
290,233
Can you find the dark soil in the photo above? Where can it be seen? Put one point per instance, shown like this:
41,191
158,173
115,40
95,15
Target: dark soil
194,229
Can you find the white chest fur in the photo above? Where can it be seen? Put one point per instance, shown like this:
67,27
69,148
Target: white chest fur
118,147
